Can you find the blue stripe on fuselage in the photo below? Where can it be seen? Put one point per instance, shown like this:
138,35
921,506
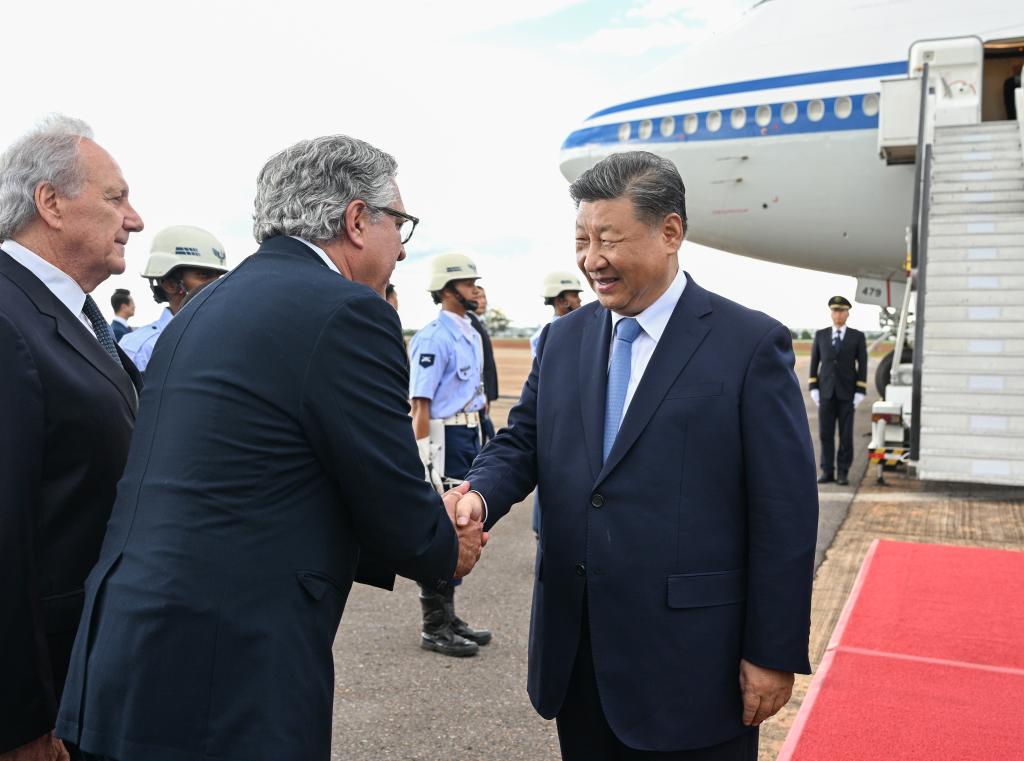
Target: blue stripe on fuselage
789,80
608,134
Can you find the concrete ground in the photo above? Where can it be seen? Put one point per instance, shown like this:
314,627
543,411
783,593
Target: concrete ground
396,701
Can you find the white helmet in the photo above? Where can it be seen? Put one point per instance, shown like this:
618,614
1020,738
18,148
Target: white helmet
183,246
448,267
556,283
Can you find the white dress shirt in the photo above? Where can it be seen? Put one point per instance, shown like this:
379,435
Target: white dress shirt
68,292
838,332
653,322
319,252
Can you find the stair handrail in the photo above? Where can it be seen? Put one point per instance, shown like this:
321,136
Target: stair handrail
901,331
918,252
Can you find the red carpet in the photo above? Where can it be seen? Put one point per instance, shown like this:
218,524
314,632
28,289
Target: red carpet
926,662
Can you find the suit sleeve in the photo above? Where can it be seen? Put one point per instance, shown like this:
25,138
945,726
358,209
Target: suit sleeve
862,364
782,508
815,363
27,698
356,414
505,471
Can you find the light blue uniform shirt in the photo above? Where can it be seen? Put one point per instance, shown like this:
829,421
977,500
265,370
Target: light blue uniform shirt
446,366
535,338
138,344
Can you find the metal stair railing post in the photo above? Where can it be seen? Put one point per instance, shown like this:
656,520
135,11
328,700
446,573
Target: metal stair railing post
922,189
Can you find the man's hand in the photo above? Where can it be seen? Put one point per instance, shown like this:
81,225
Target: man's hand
472,536
816,397
857,399
469,509
764,692
45,748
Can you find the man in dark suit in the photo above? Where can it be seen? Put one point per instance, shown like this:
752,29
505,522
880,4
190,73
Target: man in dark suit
673,577
68,400
272,449
124,309
839,374
490,374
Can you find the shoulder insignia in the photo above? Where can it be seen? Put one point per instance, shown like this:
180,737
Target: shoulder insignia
426,360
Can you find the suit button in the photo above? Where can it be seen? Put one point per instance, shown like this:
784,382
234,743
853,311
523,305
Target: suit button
581,570
597,500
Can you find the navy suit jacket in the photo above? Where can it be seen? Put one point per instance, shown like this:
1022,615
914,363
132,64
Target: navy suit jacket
66,416
693,543
273,444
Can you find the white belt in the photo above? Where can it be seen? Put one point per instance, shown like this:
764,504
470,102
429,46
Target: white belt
467,419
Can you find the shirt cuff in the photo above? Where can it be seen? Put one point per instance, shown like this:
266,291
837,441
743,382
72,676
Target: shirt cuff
482,499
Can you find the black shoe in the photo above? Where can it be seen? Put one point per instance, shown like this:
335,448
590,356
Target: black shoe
825,478
842,480
437,634
460,627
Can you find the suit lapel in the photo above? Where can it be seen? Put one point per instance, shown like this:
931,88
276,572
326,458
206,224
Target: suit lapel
593,384
71,330
683,335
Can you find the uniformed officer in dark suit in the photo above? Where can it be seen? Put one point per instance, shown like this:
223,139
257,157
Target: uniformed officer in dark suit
839,371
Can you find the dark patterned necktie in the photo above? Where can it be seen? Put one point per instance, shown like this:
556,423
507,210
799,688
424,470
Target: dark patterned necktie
99,325
837,340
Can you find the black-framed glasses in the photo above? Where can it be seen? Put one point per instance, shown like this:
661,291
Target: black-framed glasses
409,222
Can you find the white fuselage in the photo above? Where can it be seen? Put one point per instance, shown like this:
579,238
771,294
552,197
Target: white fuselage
803,185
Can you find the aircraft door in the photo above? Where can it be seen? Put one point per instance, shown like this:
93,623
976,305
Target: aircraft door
955,68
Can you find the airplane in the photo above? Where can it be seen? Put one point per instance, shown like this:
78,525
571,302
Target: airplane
774,126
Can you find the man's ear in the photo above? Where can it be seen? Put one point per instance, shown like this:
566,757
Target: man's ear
48,205
673,231
357,219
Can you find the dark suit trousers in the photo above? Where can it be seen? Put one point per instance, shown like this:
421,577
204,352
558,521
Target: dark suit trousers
584,734
830,412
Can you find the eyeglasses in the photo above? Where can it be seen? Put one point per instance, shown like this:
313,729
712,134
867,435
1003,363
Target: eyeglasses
409,222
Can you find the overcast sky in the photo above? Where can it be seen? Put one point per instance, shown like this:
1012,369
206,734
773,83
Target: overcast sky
473,99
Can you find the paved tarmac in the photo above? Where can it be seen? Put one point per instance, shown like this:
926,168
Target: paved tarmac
394,700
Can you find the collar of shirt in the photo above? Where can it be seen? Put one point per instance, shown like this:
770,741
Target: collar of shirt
463,324
838,332
164,318
121,320
68,292
655,318
319,252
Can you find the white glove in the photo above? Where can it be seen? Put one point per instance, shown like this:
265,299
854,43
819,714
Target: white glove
815,397
429,474
857,399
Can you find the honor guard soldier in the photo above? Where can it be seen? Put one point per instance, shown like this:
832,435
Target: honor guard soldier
181,259
561,291
838,382
446,387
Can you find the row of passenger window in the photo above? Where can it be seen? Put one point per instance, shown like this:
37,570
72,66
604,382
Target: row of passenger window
788,114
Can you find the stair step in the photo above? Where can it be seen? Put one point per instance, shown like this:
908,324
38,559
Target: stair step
973,151
946,362
941,207
975,267
971,443
1010,162
970,470
973,330
974,314
975,404
972,241
968,347
964,381
992,175
976,298
981,137
976,254
948,185
982,197
995,124
974,282
993,227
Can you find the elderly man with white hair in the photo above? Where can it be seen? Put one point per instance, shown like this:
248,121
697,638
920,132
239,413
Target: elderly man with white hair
272,454
68,399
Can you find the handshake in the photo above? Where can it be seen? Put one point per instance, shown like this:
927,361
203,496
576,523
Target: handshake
466,512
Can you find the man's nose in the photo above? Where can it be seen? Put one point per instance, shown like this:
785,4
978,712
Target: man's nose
401,252
133,222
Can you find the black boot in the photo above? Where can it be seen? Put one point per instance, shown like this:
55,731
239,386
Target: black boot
460,627
437,632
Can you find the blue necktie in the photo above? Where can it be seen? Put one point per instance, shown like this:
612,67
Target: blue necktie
100,327
618,379
837,339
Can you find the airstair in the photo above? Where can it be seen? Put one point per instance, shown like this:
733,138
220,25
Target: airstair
972,372
960,405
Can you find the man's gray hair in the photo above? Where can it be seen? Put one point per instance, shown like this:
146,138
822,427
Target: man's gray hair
48,153
651,182
304,190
